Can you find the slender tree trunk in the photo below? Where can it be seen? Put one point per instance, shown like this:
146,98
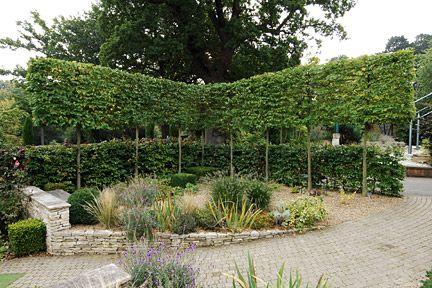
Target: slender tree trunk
202,147
136,151
364,172
42,135
267,156
309,160
78,134
281,136
180,150
231,155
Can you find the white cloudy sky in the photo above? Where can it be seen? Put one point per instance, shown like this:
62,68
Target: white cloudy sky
369,24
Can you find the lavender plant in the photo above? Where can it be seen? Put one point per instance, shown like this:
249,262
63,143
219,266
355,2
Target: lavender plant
159,266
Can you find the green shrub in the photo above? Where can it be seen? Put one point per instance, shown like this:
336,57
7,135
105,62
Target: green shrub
201,171
305,212
27,237
427,283
110,162
78,200
181,179
262,221
66,186
228,190
184,224
258,193
138,223
205,219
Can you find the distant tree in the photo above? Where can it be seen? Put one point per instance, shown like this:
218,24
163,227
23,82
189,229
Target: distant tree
397,43
340,57
75,39
424,73
422,43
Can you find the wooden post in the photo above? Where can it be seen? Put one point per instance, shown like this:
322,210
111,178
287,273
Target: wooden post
136,151
364,172
180,150
309,160
78,134
267,155
281,136
231,155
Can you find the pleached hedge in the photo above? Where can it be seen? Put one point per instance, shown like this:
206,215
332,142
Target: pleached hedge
110,162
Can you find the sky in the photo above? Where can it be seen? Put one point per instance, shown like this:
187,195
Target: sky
369,25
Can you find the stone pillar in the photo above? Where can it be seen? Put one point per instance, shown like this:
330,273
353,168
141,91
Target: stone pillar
53,211
336,139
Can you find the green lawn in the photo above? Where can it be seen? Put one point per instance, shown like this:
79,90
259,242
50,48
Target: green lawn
6,279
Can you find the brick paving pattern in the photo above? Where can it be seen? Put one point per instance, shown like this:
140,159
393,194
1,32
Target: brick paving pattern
389,249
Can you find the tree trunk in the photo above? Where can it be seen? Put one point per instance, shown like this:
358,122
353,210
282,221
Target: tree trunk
364,172
309,160
231,155
136,151
281,136
202,147
42,135
78,134
267,156
180,150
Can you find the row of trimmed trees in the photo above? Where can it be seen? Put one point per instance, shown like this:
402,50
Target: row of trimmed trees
363,91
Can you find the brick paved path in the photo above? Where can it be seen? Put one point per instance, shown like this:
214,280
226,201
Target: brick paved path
390,249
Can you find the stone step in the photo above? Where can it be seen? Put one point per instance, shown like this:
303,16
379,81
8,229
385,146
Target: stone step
109,276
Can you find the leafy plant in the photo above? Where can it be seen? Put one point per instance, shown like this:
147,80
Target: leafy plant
228,190
182,179
205,218
184,224
159,266
281,217
305,212
201,171
345,198
251,279
138,222
427,283
27,237
166,210
105,208
78,214
227,215
258,193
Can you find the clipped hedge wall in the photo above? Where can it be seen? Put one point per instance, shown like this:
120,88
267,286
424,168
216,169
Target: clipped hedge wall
110,162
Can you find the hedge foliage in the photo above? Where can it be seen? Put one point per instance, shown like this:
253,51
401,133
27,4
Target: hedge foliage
111,162
370,89
78,200
27,237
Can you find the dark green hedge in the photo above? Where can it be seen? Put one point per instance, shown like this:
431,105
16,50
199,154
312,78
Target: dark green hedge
27,237
110,162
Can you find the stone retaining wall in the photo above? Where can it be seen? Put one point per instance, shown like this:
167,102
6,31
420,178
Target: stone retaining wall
204,239
61,239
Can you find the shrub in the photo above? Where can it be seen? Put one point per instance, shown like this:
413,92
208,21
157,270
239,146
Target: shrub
205,219
184,224
166,211
66,186
11,179
182,179
305,212
201,171
228,190
27,237
258,193
427,283
138,222
263,220
333,167
140,192
235,190
159,267
105,208
229,216
78,200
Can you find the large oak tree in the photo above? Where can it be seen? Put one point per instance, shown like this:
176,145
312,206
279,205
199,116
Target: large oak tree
214,41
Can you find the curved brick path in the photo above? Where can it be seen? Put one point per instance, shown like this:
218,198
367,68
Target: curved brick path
390,249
